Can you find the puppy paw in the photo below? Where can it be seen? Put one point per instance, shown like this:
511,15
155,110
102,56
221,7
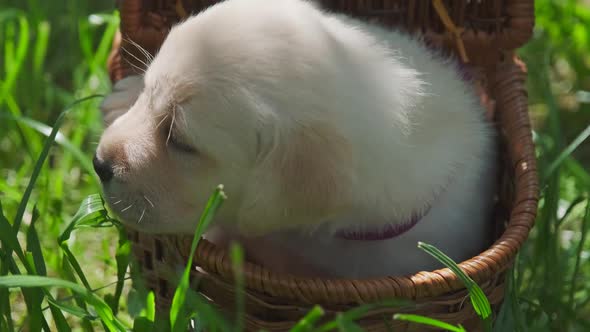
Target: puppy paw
125,93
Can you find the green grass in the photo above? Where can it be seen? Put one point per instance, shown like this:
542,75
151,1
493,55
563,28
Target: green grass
60,268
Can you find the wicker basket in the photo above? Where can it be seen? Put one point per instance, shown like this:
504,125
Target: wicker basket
485,35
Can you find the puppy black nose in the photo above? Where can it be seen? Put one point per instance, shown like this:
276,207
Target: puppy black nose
103,169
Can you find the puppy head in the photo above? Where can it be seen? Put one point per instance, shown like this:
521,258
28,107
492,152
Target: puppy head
216,113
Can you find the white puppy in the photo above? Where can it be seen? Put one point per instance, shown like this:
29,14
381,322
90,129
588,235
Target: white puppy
340,144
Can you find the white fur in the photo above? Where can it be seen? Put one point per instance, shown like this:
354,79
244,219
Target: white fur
313,123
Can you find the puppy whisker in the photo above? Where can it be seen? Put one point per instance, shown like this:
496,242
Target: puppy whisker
143,51
149,201
148,56
134,56
127,208
117,202
181,116
171,125
162,121
141,217
141,70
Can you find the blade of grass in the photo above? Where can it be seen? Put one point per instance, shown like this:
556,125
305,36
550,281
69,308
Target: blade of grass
23,204
583,136
578,171
569,210
5,307
33,297
346,325
361,310
583,234
212,206
14,57
206,315
476,295
34,245
67,272
92,213
60,139
37,85
309,320
104,45
14,60
71,259
40,51
142,324
41,160
547,242
150,308
85,40
73,310
429,322
510,317
122,257
35,260
102,309
237,258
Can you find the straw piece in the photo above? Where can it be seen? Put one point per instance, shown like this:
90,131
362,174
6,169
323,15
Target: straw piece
452,29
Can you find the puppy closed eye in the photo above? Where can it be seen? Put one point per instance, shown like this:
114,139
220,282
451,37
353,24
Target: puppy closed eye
175,142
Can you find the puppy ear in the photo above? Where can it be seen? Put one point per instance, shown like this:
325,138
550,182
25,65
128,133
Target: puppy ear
125,93
303,180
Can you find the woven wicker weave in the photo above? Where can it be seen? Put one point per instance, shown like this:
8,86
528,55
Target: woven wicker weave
484,33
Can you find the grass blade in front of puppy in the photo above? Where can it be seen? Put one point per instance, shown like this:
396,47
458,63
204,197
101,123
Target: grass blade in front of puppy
429,321
146,320
476,295
122,258
91,213
150,306
179,323
346,325
237,259
308,321
358,312
102,309
205,315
